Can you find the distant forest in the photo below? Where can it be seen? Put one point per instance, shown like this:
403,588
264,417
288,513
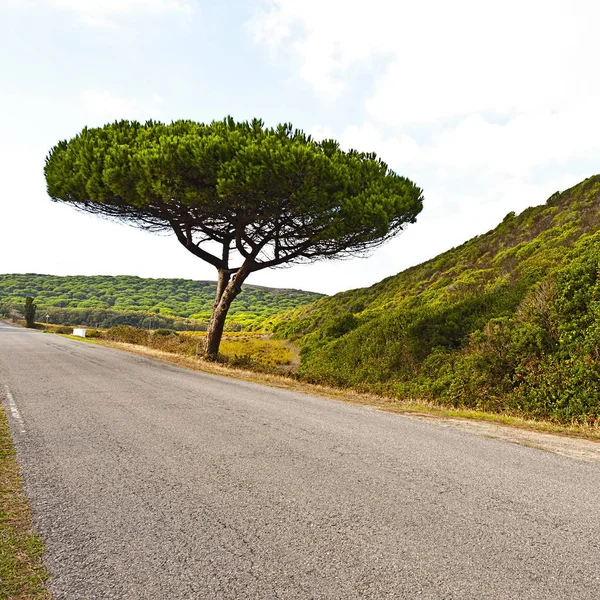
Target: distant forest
103,301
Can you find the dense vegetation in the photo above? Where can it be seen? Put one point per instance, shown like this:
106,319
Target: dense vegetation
509,321
104,301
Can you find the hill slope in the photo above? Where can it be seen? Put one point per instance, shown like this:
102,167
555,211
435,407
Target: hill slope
509,321
167,299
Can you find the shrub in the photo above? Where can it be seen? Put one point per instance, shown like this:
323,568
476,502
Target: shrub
127,334
340,325
164,332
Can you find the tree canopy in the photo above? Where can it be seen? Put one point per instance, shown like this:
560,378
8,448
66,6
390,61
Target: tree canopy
240,196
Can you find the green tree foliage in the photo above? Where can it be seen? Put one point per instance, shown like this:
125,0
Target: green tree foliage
29,311
265,197
5,308
105,301
509,321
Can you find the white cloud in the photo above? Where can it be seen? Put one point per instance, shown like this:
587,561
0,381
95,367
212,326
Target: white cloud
514,148
19,4
398,151
302,26
102,106
527,141
443,59
322,132
99,13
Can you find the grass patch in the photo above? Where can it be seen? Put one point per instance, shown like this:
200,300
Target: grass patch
255,351
22,574
263,353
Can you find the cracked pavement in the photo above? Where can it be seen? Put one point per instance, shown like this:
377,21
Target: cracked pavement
149,481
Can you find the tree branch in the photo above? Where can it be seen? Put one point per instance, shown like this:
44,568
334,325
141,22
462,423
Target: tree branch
196,250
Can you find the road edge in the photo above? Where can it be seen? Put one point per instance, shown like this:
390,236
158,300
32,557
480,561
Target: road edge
23,574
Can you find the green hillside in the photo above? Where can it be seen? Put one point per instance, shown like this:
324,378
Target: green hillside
509,321
105,300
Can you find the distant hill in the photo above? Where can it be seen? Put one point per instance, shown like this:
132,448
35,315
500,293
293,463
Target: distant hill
509,321
105,298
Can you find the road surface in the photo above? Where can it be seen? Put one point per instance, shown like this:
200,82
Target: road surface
151,481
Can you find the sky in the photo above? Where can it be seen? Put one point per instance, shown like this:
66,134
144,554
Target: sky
489,107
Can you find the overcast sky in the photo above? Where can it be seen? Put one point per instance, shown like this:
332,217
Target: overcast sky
490,107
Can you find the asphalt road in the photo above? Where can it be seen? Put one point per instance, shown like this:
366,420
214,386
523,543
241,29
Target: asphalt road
151,481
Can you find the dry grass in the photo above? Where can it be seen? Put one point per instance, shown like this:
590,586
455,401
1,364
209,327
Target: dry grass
257,352
265,353
228,334
22,574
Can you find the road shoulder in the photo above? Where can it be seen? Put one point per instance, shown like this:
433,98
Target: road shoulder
576,442
22,573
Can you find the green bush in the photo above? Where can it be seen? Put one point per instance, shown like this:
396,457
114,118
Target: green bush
164,332
340,325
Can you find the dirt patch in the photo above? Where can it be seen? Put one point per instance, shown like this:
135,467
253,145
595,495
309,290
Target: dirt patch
581,449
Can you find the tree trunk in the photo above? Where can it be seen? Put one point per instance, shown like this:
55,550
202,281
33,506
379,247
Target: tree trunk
222,282
226,293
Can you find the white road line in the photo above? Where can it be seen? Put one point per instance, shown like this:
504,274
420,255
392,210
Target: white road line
12,405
